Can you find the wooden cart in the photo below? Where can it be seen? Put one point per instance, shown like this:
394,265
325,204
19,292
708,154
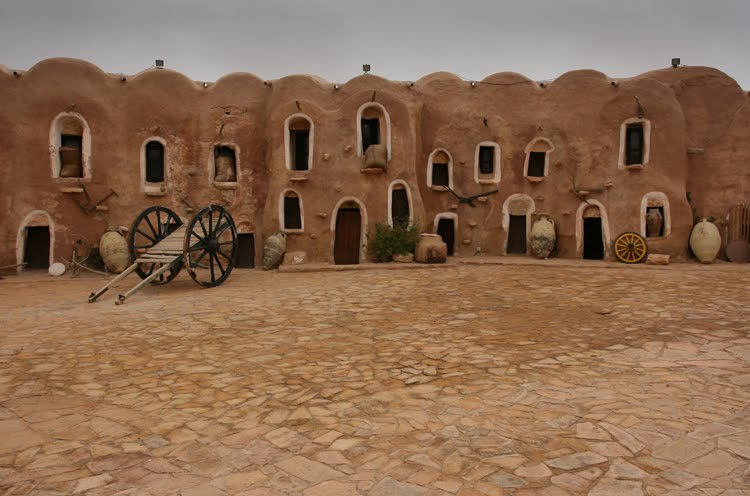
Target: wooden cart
160,244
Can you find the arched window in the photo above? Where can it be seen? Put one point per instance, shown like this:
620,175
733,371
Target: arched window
487,163
154,162
536,165
70,146
635,143
298,142
290,212
399,204
656,221
440,169
373,128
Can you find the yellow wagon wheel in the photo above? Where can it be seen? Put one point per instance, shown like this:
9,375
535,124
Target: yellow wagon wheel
630,248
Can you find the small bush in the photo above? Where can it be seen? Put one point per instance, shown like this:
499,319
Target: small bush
387,241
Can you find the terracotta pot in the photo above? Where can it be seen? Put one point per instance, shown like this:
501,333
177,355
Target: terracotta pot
114,251
654,222
705,241
431,249
273,250
225,169
543,236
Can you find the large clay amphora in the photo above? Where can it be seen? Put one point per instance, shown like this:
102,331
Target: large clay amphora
654,223
114,251
705,241
273,250
543,236
431,249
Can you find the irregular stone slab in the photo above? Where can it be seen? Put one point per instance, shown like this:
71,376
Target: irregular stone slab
116,461
332,488
534,471
608,449
308,470
712,430
576,460
613,487
509,462
623,437
620,469
684,479
92,482
16,436
242,480
391,487
504,479
571,482
713,465
738,448
682,450
587,430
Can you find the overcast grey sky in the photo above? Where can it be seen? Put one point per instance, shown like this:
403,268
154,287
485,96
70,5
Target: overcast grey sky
401,39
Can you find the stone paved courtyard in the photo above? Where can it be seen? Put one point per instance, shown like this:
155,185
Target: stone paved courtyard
469,380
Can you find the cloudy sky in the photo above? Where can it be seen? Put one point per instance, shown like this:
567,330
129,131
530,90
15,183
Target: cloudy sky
401,39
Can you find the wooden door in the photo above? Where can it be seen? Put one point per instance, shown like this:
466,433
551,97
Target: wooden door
245,251
447,230
346,245
517,234
36,253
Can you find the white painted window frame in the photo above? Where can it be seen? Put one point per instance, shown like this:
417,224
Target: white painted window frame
282,218
288,142
55,133
384,137
605,227
646,143
667,216
154,189
506,219
454,217
530,148
429,170
212,166
496,175
391,187
32,219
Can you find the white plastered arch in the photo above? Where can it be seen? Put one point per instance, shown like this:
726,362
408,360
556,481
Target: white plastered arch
385,137
662,201
282,219
55,133
390,201
429,169
579,226
34,218
452,216
528,211
288,140
362,229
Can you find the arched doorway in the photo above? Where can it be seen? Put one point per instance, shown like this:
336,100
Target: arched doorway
592,231
517,210
35,241
348,234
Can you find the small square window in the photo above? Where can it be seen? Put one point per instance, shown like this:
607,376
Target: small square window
486,160
440,175
536,164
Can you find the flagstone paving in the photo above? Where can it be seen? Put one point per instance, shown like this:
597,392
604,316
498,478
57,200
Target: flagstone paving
468,380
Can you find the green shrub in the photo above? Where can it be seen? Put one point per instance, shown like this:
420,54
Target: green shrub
387,241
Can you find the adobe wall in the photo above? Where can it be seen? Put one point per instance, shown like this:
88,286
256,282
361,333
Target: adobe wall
699,118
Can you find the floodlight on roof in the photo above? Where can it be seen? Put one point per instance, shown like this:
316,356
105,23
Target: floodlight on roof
366,68
675,62
160,63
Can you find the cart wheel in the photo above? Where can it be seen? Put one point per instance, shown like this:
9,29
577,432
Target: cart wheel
153,225
210,246
630,248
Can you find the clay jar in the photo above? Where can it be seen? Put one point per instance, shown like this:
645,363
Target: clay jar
70,162
431,249
225,172
114,251
654,223
543,236
705,241
273,250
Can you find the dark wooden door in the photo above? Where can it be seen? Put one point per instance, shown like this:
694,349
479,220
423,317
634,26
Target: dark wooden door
245,251
593,244
517,234
37,247
346,245
447,230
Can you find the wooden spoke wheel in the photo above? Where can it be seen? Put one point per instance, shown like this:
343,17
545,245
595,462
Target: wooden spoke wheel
630,248
151,226
210,248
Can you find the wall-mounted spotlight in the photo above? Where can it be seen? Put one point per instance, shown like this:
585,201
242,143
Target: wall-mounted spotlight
675,62
123,79
267,83
335,86
15,73
473,84
366,68
205,85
